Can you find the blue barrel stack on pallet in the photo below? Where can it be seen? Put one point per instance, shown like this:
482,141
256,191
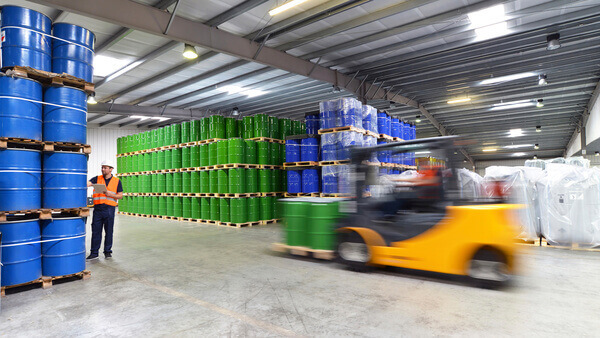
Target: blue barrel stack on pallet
31,116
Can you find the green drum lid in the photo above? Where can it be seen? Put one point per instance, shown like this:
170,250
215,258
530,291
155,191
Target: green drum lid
236,150
253,209
205,209
237,181
213,179
186,206
186,182
224,210
223,182
239,210
204,182
215,207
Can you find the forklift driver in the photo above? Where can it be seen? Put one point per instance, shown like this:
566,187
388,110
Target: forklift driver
425,186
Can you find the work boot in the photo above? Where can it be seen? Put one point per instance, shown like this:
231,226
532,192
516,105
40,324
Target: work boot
92,256
107,255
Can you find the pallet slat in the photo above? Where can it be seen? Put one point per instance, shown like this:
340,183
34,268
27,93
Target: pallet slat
303,251
47,281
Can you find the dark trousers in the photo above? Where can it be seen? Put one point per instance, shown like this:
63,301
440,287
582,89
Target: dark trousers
104,217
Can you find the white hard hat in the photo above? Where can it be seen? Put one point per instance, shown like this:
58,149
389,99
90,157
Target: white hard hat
108,164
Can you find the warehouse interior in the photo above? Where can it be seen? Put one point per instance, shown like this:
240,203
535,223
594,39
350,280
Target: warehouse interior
516,80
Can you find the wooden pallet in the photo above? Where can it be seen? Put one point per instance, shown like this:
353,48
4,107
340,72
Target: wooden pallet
269,166
49,78
183,170
341,129
397,139
269,221
300,164
46,213
269,194
66,146
211,222
267,139
239,225
211,140
385,137
303,251
314,194
238,165
188,144
184,219
372,134
46,282
235,195
335,195
13,142
342,162
542,242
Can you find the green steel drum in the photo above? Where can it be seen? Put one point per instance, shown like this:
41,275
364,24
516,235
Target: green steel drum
222,152
131,205
155,138
322,218
231,129
205,209
247,127
169,159
276,182
285,128
136,142
161,183
153,161
186,206
147,162
238,210
252,180
195,156
195,182
147,205
195,206
167,135
194,131
185,132
240,128
154,182
236,150
186,182
302,128
126,164
296,127
133,164
177,182
176,134
212,154
169,186
161,137
277,208
162,206
253,209
160,160
282,152
204,182
170,206
213,179
223,181
178,207
251,152
133,184
274,127
147,183
264,180
261,125
275,154
215,207
176,158
204,129
216,127
155,205
204,155
263,156
237,181
266,208
186,157
224,211
295,215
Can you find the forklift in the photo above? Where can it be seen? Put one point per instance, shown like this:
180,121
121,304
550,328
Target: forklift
445,234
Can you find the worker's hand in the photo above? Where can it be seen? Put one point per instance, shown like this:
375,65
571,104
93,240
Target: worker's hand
110,194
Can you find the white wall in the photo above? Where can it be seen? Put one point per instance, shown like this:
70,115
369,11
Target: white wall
592,128
104,146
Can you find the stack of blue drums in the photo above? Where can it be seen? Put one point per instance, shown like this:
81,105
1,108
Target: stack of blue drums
29,178
304,148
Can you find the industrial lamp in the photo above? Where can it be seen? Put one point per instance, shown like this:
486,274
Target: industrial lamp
189,52
92,99
553,41
418,119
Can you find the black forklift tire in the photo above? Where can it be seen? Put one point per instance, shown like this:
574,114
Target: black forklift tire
352,240
494,261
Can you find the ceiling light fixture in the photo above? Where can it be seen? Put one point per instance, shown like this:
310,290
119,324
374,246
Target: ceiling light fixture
515,132
536,146
511,105
235,111
285,7
489,150
538,129
515,146
189,52
466,99
92,99
597,153
418,119
507,78
540,103
519,154
489,23
535,157
553,41
542,80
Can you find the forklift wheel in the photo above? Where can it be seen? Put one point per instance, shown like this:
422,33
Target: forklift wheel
488,269
353,252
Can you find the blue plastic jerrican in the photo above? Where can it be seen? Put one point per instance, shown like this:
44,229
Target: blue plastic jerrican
292,151
68,123
26,39
63,255
20,263
309,150
310,181
73,51
20,115
64,180
294,182
20,179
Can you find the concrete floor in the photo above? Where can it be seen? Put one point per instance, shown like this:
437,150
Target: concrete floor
169,278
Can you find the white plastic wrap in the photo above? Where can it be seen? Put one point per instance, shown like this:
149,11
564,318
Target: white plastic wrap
470,184
340,113
570,205
520,188
345,185
370,141
369,118
347,140
578,161
557,160
329,179
329,147
536,164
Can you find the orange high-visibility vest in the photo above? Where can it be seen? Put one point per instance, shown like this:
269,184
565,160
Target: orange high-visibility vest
112,187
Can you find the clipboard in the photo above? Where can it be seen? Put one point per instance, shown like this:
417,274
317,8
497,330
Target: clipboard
99,188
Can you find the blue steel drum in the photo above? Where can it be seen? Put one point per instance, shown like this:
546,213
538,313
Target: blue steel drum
310,181
20,179
66,124
382,125
20,263
20,118
406,132
327,114
294,182
23,40
312,124
63,255
309,150
413,131
64,180
395,127
330,179
330,146
292,151
75,56
383,155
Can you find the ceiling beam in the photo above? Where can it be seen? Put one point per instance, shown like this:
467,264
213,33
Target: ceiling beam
234,11
126,110
94,118
118,118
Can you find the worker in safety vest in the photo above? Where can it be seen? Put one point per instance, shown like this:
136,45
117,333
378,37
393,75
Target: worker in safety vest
105,203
